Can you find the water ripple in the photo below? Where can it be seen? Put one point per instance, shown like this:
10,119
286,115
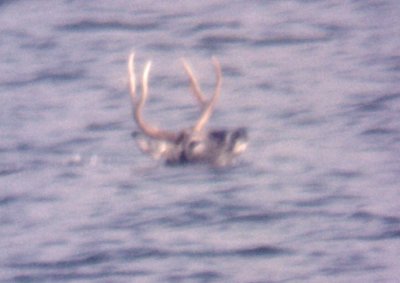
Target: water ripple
10,169
105,126
380,103
98,25
63,264
213,25
257,251
78,275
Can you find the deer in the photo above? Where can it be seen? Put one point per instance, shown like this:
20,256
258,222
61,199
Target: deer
191,145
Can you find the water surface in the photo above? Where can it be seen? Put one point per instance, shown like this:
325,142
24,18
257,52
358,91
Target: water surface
315,198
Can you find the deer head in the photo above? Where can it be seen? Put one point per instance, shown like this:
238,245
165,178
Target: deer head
191,145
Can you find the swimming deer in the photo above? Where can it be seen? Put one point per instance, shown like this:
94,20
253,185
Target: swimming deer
195,144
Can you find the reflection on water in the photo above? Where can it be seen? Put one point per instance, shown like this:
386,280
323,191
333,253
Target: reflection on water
314,199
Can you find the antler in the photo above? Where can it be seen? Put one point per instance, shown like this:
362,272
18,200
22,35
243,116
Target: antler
193,83
148,129
206,114
157,133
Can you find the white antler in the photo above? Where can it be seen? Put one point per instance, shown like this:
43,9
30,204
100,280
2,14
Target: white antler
148,129
206,114
194,85
155,132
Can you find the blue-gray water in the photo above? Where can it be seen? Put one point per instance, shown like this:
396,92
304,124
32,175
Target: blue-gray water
316,198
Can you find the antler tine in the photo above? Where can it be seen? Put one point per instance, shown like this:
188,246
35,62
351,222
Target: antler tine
205,116
194,83
138,106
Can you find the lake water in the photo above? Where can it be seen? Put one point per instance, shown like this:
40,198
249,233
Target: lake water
316,198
